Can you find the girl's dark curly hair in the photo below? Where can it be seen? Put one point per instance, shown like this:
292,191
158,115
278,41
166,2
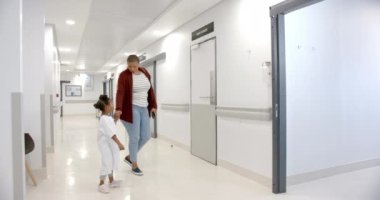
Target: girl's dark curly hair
102,102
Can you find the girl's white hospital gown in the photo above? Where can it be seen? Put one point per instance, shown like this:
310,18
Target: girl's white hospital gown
108,148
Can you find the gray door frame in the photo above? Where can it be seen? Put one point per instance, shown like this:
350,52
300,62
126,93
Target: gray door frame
216,92
153,62
61,93
110,87
277,14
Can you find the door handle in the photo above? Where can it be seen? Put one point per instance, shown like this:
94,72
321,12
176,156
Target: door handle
212,88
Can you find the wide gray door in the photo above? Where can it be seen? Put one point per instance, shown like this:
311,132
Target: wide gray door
151,70
203,101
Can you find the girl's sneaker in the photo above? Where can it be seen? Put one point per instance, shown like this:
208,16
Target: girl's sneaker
115,184
104,189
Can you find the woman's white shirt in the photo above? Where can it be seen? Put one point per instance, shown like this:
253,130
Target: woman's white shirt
141,86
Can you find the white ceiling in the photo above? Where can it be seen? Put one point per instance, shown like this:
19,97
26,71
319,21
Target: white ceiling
105,29
57,12
177,15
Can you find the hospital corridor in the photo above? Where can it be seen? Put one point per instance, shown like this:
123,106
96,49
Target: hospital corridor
171,173
190,99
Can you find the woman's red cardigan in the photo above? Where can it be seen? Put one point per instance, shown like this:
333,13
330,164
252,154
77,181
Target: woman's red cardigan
124,95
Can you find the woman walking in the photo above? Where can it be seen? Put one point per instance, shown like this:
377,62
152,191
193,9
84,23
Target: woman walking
135,103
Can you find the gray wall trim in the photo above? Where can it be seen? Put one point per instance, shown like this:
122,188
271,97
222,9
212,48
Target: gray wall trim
150,61
176,107
18,147
266,181
51,122
324,173
262,114
80,101
288,6
43,129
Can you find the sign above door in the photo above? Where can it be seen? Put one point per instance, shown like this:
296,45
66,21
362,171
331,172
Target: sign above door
209,28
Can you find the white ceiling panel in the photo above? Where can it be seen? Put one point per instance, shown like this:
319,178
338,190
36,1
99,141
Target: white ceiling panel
177,15
104,29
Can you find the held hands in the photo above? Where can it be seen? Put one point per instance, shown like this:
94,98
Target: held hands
117,115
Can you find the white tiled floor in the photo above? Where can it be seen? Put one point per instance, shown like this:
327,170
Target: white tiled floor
173,174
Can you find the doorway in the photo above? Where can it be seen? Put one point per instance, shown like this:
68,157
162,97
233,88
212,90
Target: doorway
152,66
108,88
325,88
61,94
203,101
153,121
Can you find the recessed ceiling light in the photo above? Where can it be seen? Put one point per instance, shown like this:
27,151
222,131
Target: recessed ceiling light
68,70
82,66
70,22
128,53
65,62
63,49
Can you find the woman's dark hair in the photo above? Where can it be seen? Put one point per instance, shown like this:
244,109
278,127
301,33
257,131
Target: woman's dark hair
133,58
102,102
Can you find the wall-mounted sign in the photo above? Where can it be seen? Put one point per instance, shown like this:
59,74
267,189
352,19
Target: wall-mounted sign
73,90
88,82
209,28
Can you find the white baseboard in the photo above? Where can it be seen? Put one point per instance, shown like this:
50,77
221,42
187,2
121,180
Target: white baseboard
266,181
173,142
324,173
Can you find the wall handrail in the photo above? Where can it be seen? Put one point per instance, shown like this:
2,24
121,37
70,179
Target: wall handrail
175,107
81,101
261,114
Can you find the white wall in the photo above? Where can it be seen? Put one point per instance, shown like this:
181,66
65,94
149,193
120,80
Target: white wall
11,68
88,98
34,79
333,91
242,29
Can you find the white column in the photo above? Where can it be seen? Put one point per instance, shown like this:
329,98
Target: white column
12,173
49,66
33,59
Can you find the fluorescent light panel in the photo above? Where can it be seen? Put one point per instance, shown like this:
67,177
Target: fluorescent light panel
70,22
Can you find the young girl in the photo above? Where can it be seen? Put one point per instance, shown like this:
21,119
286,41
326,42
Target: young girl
108,143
